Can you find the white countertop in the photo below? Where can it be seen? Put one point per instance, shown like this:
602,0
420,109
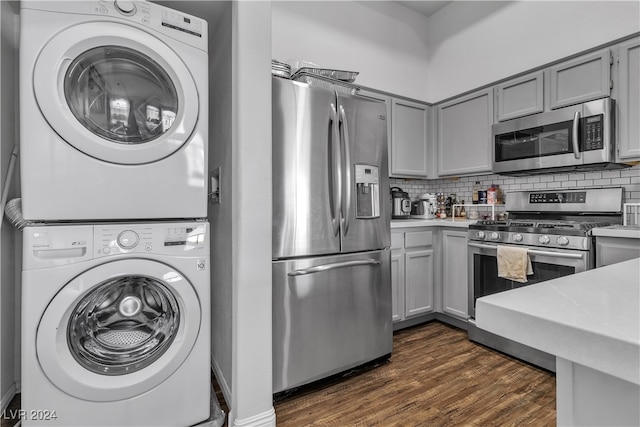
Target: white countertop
413,222
590,318
624,231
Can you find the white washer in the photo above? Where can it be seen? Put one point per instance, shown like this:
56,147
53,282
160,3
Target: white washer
113,111
115,324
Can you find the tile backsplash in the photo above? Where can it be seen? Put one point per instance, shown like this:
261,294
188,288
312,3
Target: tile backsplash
629,179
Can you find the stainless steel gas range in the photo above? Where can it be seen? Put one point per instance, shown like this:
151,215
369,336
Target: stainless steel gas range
553,227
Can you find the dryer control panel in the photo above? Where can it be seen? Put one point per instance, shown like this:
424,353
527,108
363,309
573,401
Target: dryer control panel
172,23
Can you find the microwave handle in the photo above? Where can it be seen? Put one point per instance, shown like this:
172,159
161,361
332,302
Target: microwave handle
574,140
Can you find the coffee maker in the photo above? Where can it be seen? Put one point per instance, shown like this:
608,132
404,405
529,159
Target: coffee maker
425,207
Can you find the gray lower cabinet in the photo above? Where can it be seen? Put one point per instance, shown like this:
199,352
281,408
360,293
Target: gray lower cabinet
454,273
581,79
412,273
464,134
612,250
628,106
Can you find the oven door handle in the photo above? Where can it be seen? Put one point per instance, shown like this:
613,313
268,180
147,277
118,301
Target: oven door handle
532,251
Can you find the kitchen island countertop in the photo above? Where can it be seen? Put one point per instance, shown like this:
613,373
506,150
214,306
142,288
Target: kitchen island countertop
591,322
591,318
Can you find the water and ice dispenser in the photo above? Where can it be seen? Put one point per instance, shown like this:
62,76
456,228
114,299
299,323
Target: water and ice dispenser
367,191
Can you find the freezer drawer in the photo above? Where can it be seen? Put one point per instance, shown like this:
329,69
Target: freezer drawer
329,314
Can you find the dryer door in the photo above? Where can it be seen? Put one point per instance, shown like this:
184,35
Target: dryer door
118,330
116,93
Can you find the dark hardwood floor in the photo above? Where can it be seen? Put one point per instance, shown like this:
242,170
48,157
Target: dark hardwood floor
435,377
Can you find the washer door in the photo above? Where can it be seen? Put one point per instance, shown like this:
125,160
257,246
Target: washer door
116,93
118,330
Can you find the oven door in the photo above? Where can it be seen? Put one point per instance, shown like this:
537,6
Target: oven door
547,264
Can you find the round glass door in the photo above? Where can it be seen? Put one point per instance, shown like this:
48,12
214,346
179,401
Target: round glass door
121,95
123,325
118,330
116,93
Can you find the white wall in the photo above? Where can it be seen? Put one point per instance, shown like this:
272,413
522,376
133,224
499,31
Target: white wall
384,41
465,45
8,137
472,44
221,215
251,401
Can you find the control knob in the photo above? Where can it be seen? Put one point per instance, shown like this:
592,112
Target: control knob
128,239
563,240
494,235
125,7
480,235
517,237
544,239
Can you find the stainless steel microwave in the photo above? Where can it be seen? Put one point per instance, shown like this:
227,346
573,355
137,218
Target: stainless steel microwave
573,138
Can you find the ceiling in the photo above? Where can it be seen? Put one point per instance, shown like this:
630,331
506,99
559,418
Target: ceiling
212,11
425,7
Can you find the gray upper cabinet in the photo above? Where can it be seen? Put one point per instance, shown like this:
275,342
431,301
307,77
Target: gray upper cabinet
628,105
387,102
464,134
520,97
581,79
409,139
407,135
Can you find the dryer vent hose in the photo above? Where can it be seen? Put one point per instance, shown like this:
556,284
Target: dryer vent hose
13,212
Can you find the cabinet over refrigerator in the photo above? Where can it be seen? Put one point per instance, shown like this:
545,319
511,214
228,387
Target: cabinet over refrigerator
331,236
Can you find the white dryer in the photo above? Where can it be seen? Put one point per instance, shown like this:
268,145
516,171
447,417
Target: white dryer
115,322
113,111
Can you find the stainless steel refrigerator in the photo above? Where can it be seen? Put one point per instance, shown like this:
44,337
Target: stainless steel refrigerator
331,236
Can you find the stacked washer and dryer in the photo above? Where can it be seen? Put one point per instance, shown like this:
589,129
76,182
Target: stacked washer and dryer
115,299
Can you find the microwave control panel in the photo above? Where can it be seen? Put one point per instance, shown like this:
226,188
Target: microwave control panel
593,133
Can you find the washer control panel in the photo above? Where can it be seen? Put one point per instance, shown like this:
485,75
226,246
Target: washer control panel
58,244
167,238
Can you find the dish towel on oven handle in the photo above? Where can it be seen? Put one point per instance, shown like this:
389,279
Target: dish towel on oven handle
514,263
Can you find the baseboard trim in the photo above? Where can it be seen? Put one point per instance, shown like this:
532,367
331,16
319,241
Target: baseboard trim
413,321
8,396
265,419
452,320
222,382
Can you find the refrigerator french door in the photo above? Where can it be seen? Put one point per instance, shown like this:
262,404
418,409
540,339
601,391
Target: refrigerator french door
331,275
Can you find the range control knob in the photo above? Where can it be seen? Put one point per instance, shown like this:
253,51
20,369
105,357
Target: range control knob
563,240
494,235
128,239
517,237
544,240
125,7
480,235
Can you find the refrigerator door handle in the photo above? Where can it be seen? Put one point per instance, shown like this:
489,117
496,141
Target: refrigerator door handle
335,177
327,267
346,203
